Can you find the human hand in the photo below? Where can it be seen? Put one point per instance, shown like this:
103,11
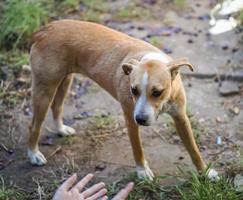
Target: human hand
71,191
123,194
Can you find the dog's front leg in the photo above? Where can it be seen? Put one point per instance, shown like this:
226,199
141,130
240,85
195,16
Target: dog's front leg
183,127
142,167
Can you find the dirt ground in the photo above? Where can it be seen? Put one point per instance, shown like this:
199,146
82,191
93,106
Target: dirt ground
101,145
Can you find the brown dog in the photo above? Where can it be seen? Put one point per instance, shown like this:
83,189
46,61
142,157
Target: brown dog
142,78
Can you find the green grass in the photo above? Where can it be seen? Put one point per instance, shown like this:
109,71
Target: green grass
201,188
19,19
179,3
9,192
143,189
190,186
156,41
14,59
131,11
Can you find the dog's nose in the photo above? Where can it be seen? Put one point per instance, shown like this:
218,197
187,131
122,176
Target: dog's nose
141,119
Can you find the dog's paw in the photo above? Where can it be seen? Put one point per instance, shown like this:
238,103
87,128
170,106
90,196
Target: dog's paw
213,175
144,172
36,158
65,130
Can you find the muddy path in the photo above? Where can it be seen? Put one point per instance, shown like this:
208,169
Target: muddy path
101,144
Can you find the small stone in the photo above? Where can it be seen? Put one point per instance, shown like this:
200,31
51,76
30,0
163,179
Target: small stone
238,182
190,41
228,88
235,110
10,151
100,167
181,158
234,50
140,28
225,47
204,17
218,119
201,120
68,122
167,50
26,68
47,141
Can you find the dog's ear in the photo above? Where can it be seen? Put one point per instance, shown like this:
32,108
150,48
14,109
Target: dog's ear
129,66
175,65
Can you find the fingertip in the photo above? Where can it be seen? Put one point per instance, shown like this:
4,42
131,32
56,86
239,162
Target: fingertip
104,198
90,175
102,184
131,184
74,175
105,190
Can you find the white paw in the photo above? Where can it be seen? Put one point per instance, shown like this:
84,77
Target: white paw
144,172
65,130
213,175
36,158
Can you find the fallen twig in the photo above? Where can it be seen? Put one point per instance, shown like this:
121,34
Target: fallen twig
54,152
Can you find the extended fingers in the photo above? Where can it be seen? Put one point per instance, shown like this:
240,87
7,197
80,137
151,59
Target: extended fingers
98,195
94,189
80,185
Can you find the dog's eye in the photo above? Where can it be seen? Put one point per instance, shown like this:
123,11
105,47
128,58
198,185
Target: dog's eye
157,93
135,91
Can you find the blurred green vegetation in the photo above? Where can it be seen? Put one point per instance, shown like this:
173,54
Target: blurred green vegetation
19,19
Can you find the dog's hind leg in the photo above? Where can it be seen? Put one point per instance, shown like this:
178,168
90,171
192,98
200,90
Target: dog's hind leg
42,95
57,107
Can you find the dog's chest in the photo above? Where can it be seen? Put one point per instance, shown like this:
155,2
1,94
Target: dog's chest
170,108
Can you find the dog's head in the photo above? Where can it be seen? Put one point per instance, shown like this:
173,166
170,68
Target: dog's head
151,84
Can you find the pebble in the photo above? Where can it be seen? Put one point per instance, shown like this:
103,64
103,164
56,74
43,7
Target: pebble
167,50
190,41
225,47
100,167
238,182
228,88
235,110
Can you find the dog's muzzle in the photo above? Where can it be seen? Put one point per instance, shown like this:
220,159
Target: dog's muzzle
142,119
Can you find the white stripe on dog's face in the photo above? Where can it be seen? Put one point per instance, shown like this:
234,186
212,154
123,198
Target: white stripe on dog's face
142,106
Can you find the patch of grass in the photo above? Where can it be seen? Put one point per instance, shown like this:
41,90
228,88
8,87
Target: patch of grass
96,5
132,10
92,16
14,59
143,189
69,141
190,186
94,9
179,3
101,121
64,6
201,188
9,192
20,18
156,41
